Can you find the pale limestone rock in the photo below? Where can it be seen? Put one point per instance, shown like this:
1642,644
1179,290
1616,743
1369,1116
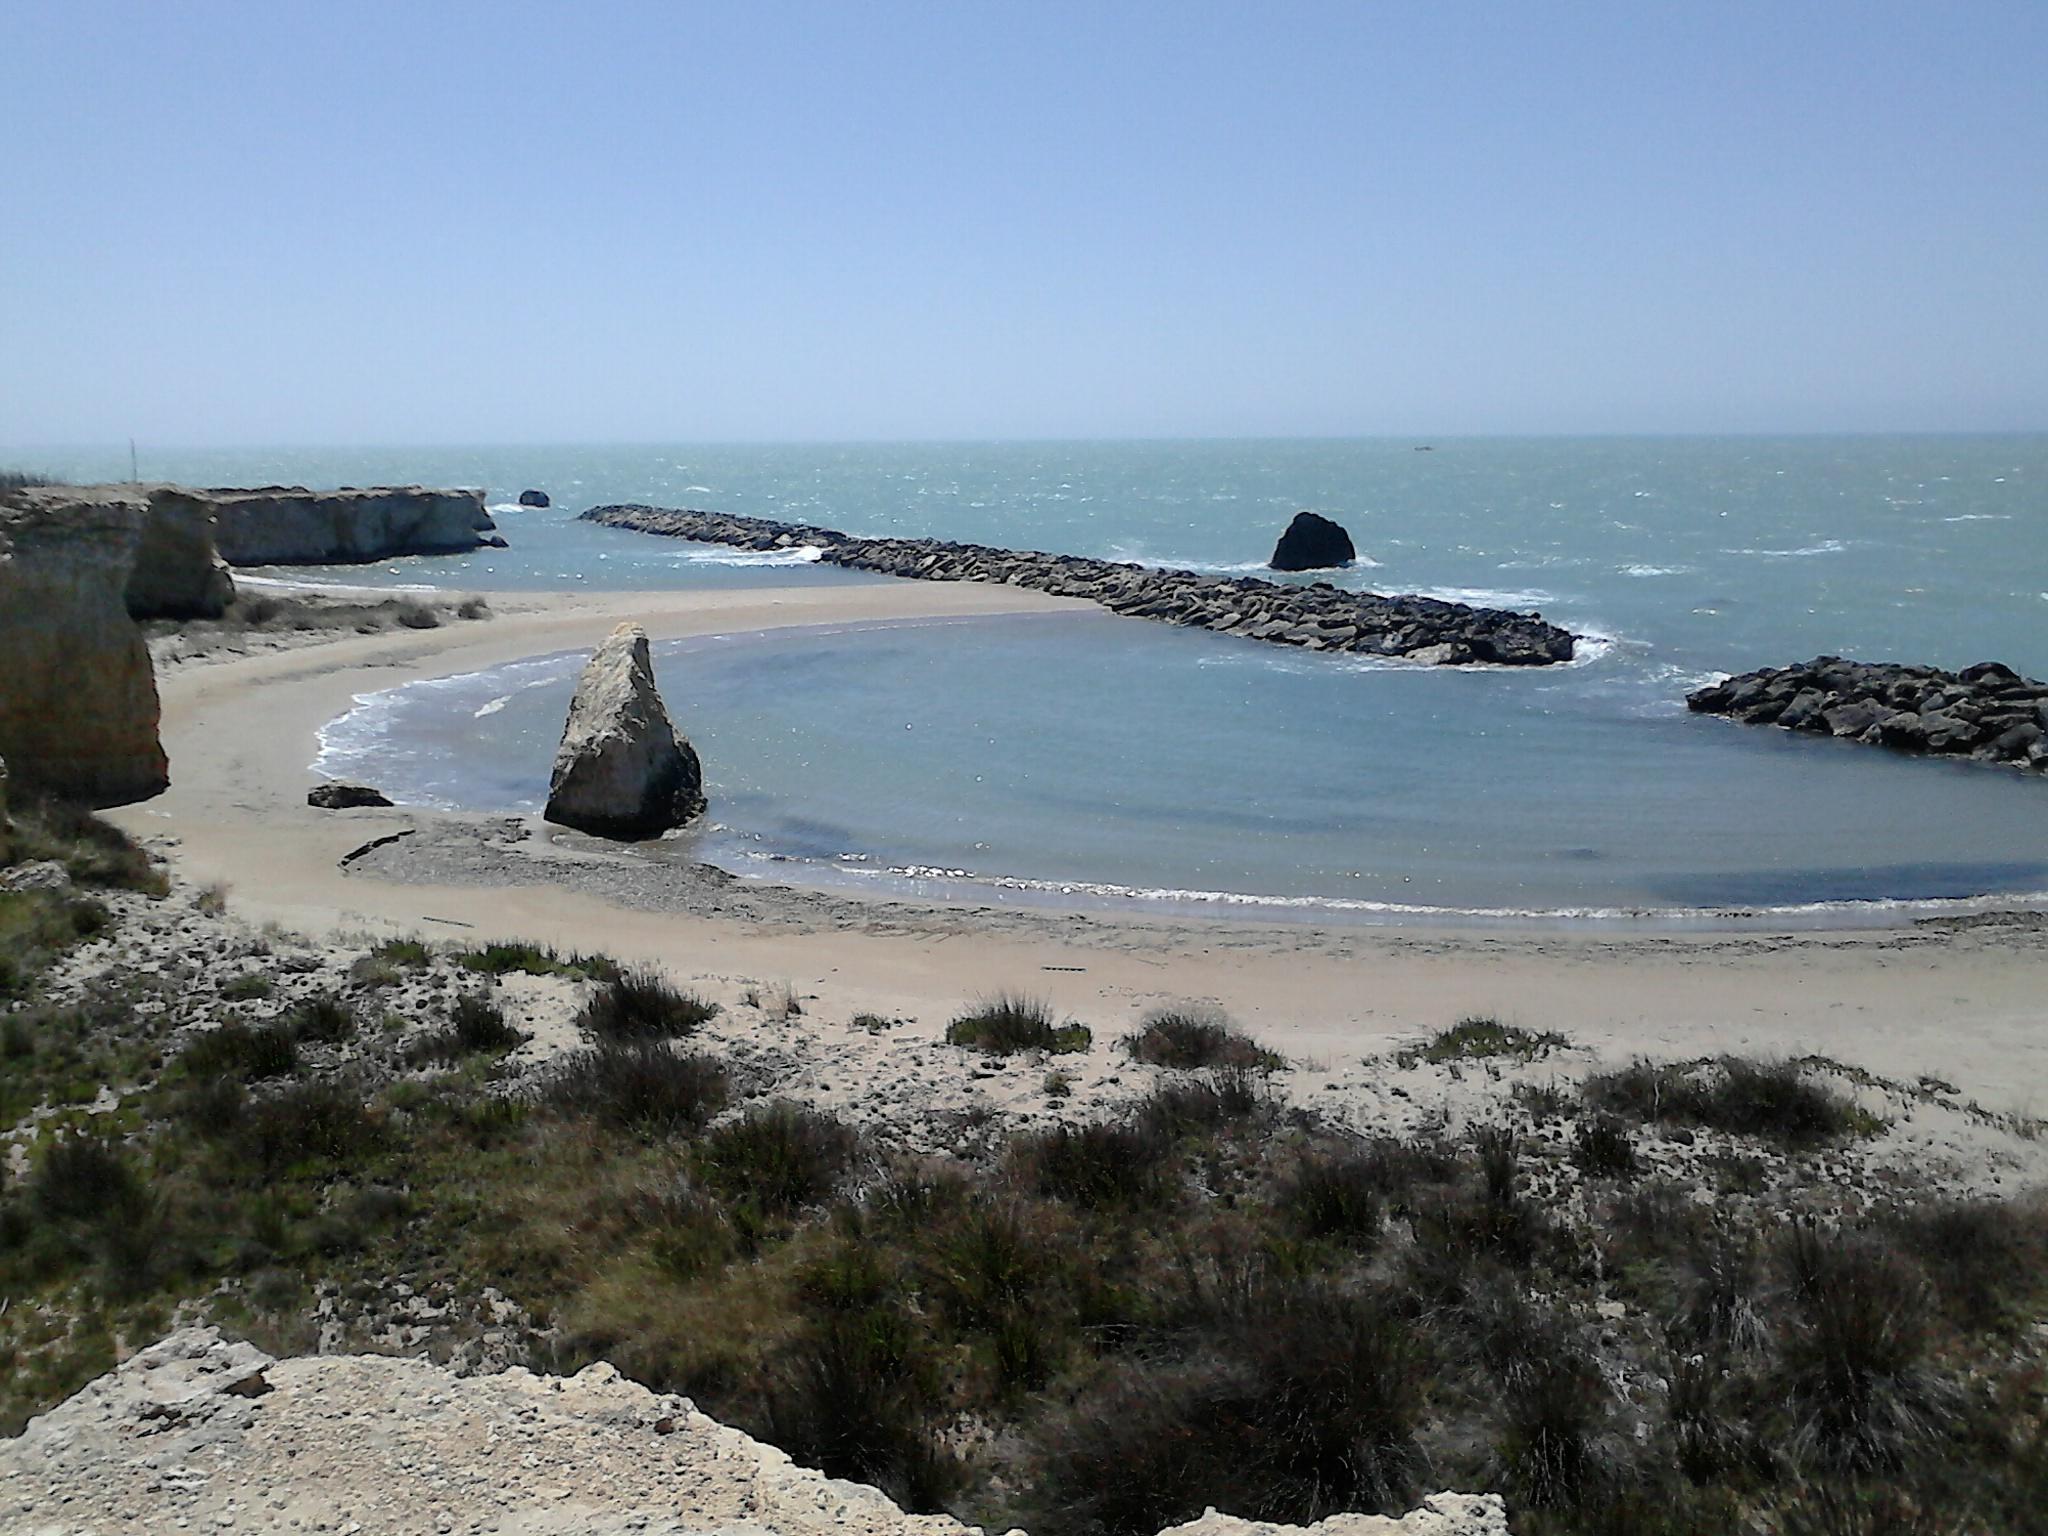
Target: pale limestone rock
621,770
199,1433
178,572
1442,1514
290,525
78,702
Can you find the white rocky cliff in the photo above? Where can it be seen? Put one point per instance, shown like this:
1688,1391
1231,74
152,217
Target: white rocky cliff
621,770
78,701
196,1433
290,525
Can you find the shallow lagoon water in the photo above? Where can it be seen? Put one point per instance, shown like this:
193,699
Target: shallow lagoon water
1088,757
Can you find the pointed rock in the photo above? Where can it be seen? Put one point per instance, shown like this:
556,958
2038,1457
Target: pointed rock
622,771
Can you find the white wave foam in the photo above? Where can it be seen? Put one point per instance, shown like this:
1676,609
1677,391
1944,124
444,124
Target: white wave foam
1654,570
803,554
296,584
1488,597
1824,547
1979,517
493,707
1885,908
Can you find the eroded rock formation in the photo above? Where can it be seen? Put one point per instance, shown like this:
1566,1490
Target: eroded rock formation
1987,712
1312,543
533,498
196,1432
622,771
1317,618
78,701
179,572
290,525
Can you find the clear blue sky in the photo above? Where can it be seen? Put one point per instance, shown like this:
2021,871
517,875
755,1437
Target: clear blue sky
285,222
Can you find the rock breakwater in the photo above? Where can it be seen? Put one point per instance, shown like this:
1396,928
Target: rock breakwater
1317,618
1987,712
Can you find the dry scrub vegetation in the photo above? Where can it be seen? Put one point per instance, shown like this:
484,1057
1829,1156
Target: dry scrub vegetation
1206,1296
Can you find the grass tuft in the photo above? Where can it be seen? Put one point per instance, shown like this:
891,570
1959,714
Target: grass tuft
640,1086
779,1158
1484,1039
1188,1039
641,1005
1007,1023
1772,1101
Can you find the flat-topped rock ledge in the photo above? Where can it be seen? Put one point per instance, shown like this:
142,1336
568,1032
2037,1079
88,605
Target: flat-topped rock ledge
1987,713
290,525
1317,618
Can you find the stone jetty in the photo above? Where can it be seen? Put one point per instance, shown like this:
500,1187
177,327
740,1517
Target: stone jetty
1987,713
1317,618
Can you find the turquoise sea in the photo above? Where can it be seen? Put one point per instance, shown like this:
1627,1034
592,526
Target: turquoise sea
1092,759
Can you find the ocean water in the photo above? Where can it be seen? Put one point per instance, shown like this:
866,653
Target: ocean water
1086,758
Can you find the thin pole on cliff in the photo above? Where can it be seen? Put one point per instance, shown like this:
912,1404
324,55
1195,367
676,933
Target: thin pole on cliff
134,475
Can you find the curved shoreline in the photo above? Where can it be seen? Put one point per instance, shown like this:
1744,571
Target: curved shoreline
1961,996
882,877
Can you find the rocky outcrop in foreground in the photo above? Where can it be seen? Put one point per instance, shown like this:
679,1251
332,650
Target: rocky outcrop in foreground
1987,713
290,525
1312,543
78,701
1317,618
196,1432
621,770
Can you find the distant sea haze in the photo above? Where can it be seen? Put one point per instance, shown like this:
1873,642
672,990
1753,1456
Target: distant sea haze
1092,759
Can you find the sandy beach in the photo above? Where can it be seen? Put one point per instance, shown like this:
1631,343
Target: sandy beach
1955,1000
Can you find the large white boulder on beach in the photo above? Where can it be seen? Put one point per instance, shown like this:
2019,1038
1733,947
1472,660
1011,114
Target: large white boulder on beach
622,771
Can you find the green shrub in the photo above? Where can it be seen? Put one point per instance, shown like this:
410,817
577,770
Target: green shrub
1603,1148
778,1158
642,1086
1772,1101
1100,1167
322,1019
1006,1024
536,960
1206,1103
1309,1409
244,989
239,1050
477,1026
1479,1039
640,1005
1187,1038
311,1123
1854,1367
1334,1196
82,1178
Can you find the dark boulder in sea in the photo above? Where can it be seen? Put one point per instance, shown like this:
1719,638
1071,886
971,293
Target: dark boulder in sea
344,797
622,771
534,499
1312,543
1987,712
